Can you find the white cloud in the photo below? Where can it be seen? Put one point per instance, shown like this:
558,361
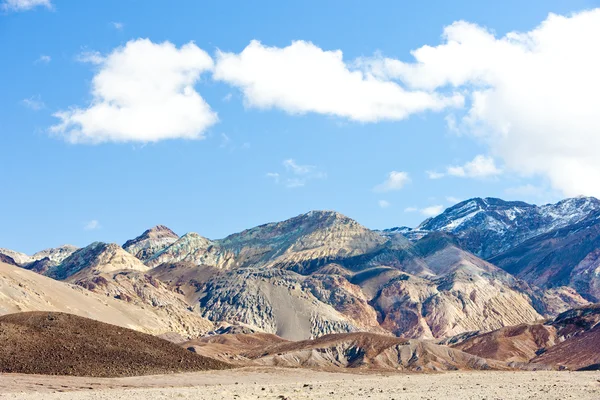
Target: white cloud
302,78
92,57
411,209
142,92
480,167
383,203
24,5
118,25
43,59
92,225
432,211
34,102
435,175
533,95
395,181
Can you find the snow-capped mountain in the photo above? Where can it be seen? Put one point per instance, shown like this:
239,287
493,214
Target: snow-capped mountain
490,226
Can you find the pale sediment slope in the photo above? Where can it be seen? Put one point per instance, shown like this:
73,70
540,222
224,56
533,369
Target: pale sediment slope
23,290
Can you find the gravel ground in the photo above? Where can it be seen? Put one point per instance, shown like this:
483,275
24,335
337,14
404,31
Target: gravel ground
274,383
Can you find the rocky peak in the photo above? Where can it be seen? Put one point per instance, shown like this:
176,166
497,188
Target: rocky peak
57,254
95,258
489,226
151,242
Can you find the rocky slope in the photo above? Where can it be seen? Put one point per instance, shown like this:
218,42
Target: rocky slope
568,341
22,290
96,258
345,350
303,244
567,256
488,226
466,294
150,242
322,273
45,258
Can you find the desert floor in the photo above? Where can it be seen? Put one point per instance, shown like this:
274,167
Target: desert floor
275,383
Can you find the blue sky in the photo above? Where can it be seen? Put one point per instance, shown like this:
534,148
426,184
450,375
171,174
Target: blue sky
273,153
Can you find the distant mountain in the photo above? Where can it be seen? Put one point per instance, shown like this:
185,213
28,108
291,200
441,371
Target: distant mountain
150,242
488,226
567,256
42,260
97,257
322,272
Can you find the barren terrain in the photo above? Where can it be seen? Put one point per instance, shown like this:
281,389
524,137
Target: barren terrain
277,383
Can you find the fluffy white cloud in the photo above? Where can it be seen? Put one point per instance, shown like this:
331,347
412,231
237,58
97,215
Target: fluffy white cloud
533,95
395,181
303,78
432,211
142,92
383,203
24,5
92,225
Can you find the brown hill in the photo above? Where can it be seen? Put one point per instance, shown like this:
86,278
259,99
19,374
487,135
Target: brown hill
65,344
569,341
518,343
577,352
343,350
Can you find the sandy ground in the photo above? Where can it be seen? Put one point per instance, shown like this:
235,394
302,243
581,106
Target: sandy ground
273,383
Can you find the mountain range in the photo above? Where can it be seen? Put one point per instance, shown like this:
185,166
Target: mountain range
482,265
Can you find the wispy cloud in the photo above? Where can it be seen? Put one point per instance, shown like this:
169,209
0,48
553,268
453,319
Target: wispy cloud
225,140
43,59
296,175
34,103
118,25
411,209
92,57
396,180
273,175
452,200
383,203
92,225
24,5
297,169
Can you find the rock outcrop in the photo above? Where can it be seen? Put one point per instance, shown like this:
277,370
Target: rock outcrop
152,241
